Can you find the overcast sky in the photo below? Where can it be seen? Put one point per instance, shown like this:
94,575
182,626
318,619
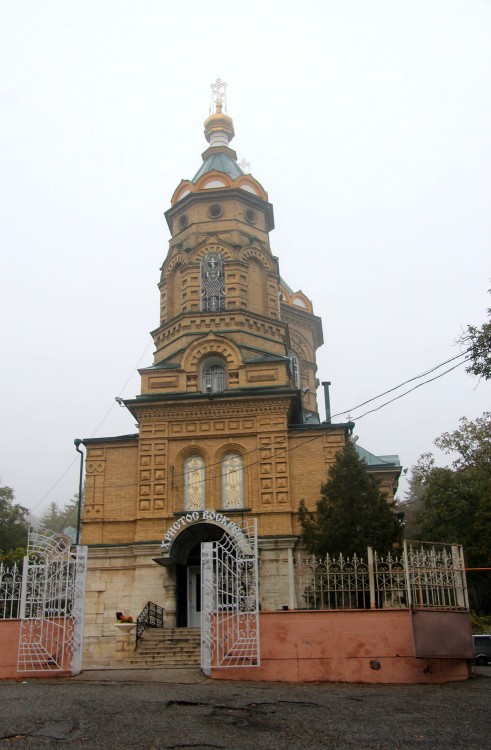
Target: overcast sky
368,123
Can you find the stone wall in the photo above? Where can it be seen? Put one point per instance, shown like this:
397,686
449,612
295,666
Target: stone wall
124,578
119,579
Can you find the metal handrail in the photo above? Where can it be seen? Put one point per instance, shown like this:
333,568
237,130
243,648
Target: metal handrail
151,616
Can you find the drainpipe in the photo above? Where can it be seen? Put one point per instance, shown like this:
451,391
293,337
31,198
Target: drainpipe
77,442
327,400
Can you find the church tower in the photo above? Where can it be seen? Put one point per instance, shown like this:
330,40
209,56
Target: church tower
228,325
228,423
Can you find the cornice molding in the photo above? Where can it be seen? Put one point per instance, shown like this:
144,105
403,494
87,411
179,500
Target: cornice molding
258,406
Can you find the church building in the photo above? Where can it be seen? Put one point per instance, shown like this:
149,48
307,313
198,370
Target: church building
228,422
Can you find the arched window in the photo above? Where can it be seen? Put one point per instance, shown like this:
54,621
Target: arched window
232,482
295,367
257,292
212,283
214,378
174,288
194,483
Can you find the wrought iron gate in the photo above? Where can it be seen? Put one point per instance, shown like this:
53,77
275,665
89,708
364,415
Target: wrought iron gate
229,617
52,605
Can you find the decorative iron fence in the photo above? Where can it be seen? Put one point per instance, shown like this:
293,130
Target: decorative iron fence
331,583
151,616
425,575
52,604
10,590
229,618
436,576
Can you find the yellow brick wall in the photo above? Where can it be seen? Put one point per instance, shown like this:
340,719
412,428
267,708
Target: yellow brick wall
140,486
111,491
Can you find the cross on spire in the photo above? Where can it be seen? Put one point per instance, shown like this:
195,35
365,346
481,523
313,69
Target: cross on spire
218,96
245,166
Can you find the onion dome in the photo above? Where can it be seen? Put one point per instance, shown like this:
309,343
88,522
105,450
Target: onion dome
219,131
220,169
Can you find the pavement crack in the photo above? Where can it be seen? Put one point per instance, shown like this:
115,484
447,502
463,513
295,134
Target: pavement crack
283,703
14,736
246,707
220,706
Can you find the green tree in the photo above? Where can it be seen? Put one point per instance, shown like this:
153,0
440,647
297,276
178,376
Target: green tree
57,518
410,507
477,341
455,506
12,556
13,523
351,514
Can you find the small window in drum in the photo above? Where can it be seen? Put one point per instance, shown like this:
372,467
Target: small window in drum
215,211
183,221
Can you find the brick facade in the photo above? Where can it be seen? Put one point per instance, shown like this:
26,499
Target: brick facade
263,337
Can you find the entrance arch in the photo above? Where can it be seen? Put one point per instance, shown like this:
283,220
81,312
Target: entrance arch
216,582
185,554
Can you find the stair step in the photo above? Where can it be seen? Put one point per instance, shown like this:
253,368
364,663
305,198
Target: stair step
168,647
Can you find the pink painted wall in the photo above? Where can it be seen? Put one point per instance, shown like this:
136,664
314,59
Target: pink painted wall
340,646
9,644
9,640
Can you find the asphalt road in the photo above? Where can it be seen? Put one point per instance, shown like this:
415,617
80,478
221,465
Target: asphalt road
98,712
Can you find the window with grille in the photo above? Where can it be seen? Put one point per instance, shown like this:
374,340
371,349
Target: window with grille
212,283
295,366
214,378
232,482
194,483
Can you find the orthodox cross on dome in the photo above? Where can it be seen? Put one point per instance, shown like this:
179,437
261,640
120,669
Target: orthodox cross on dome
245,166
218,96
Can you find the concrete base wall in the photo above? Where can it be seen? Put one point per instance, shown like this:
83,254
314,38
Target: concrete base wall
374,646
119,579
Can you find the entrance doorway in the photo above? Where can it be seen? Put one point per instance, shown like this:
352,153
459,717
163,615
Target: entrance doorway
194,596
186,554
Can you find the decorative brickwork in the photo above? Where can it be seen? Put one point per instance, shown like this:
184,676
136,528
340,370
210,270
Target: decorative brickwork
153,467
247,443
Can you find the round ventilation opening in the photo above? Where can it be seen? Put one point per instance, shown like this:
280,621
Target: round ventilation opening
183,221
250,215
215,210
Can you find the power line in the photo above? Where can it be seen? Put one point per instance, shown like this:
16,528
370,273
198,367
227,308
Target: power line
259,460
65,472
286,449
430,380
54,485
395,388
122,389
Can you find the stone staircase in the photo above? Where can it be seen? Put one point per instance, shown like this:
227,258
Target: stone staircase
168,648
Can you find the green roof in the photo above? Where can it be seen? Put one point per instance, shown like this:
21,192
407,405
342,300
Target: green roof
221,163
372,460
264,358
287,287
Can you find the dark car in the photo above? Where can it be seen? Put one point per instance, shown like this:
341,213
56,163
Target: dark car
482,649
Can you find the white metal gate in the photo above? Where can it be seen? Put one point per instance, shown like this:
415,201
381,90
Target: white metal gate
229,583
52,605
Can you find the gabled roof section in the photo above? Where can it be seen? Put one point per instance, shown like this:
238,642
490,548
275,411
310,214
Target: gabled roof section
219,161
298,299
164,365
372,460
264,358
